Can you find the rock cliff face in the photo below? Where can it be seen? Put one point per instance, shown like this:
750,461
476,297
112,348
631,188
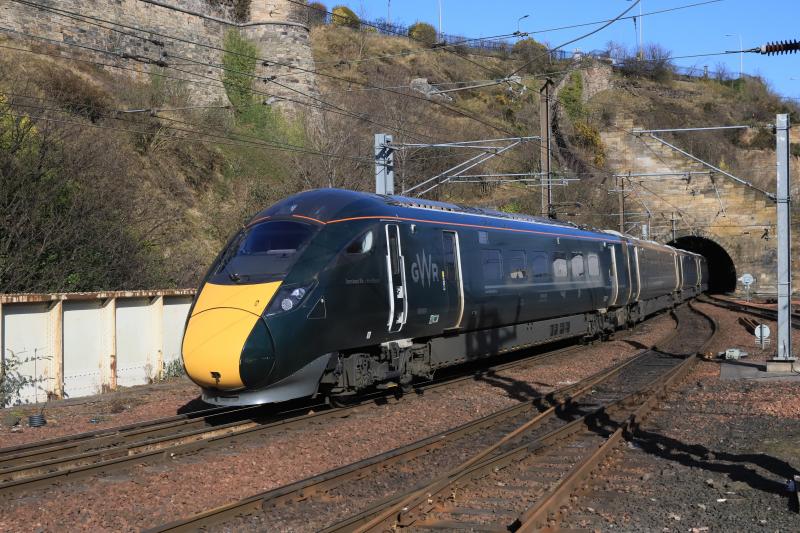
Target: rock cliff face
187,34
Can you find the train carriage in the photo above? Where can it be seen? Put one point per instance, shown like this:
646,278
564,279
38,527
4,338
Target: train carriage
333,291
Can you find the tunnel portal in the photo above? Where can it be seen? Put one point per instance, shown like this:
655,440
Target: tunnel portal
721,270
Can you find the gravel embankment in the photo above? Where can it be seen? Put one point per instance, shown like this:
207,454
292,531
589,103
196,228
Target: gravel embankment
79,415
145,496
715,456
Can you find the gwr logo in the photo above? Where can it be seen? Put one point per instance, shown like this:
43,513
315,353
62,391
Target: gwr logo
424,271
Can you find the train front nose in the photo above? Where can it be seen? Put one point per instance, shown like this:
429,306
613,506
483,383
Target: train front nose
227,344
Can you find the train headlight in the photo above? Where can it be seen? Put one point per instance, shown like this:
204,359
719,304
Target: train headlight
287,299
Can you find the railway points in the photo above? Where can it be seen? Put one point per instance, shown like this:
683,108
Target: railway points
329,495
39,464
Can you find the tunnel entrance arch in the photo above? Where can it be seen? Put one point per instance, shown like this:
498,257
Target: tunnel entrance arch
721,270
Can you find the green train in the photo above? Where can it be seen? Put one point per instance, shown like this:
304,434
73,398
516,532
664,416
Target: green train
333,292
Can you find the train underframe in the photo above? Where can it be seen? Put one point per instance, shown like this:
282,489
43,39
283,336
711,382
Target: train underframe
398,363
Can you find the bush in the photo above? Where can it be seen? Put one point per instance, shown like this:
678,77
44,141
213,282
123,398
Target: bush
763,139
239,61
655,62
317,14
241,10
571,97
173,369
344,16
423,32
534,53
588,137
12,381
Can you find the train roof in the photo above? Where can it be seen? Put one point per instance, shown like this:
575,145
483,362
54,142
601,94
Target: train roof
328,206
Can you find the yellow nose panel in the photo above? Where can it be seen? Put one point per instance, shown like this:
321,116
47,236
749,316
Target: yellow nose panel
253,298
219,326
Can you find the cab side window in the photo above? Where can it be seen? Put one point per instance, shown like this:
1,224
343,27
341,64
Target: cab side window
362,245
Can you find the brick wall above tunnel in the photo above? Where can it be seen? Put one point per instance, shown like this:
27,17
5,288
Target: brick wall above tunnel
703,203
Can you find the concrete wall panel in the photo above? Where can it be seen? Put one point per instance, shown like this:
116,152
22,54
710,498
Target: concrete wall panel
26,337
83,348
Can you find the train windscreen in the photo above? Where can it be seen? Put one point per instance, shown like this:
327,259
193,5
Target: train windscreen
265,251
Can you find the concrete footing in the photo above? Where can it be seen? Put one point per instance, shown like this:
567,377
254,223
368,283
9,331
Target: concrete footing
780,365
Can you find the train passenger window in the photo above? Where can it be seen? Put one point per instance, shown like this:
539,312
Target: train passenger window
516,265
483,237
492,265
578,271
593,265
540,267
559,266
362,245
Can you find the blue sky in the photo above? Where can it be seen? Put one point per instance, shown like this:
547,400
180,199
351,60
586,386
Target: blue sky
691,31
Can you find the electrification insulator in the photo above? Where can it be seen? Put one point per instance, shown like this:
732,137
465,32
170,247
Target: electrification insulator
781,47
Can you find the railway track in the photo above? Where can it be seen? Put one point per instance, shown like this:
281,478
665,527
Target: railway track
40,464
754,310
420,484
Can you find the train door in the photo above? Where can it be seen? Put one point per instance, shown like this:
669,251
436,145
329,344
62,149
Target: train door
636,274
452,281
614,277
398,293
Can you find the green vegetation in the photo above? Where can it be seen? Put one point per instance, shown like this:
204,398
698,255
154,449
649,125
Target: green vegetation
239,61
94,200
571,97
172,370
12,381
344,16
423,32
535,55
588,137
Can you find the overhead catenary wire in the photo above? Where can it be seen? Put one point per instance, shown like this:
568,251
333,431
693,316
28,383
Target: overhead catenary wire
360,117
424,99
292,67
73,15
213,137
576,39
490,38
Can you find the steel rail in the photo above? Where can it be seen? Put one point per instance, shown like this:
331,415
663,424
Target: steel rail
320,483
400,511
154,442
546,406
742,307
539,515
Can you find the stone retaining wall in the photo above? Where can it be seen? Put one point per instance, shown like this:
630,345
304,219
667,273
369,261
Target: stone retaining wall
277,26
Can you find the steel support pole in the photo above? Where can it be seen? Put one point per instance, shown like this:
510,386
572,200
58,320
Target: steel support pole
384,164
545,127
621,192
784,242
